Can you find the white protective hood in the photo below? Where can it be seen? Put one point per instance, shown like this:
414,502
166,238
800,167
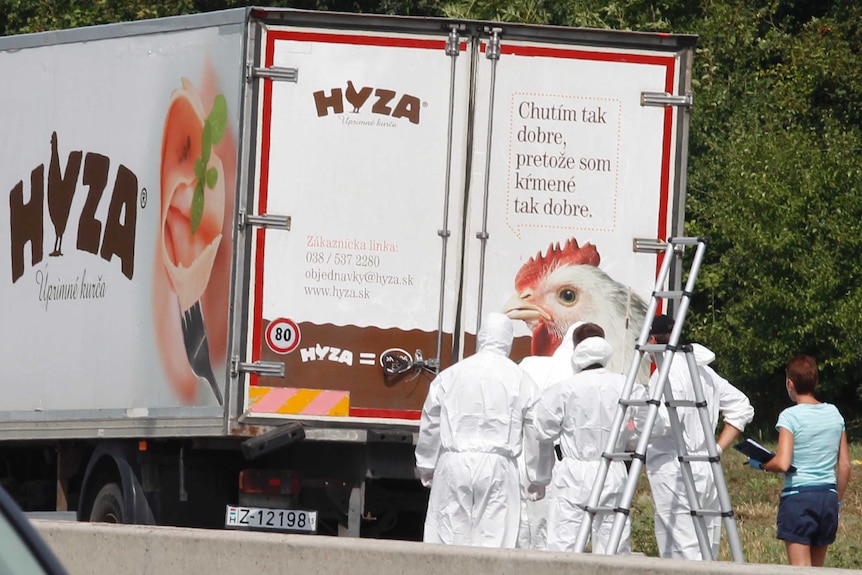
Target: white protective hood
496,334
591,351
702,355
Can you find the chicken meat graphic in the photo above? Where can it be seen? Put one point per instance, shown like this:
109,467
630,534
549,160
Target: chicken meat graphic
564,286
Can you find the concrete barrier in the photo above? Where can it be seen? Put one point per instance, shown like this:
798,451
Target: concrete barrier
102,549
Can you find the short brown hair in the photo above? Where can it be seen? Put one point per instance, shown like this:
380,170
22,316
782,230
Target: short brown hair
662,326
802,371
586,330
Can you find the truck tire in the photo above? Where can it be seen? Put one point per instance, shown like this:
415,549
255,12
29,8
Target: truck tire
108,506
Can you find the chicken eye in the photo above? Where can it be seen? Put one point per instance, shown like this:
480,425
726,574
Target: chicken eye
568,296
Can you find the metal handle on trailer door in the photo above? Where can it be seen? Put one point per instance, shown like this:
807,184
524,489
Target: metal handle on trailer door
452,50
397,363
492,53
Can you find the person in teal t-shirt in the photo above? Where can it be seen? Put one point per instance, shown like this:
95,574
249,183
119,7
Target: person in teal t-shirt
811,437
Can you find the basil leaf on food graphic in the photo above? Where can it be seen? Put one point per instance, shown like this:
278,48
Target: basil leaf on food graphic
217,120
205,176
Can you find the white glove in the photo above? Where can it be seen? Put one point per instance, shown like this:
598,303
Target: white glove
718,447
426,478
535,492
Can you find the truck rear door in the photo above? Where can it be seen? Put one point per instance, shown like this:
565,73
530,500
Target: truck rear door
360,140
579,163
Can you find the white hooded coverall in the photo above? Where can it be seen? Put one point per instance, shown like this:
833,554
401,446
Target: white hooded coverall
545,371
579,412
674,525
470,435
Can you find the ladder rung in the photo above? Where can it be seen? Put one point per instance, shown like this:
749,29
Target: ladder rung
655,347
623,456
684,403
709,513
676,294
637,402
687,241
699,457
606,509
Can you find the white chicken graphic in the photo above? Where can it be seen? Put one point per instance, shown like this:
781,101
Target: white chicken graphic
565,286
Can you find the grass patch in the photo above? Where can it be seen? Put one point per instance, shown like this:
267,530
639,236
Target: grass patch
754,496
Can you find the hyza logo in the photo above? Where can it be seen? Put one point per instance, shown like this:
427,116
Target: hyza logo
326,353
27,218
379,101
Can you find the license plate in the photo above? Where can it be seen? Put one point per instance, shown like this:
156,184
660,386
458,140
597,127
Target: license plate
273,519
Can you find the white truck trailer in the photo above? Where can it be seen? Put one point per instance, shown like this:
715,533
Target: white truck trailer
239,245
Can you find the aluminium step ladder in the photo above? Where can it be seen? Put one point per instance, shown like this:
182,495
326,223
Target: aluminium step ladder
661,393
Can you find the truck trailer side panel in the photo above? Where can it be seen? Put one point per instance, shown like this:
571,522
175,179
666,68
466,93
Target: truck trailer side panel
101,260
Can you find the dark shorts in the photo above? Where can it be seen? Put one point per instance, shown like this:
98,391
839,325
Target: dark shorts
809,517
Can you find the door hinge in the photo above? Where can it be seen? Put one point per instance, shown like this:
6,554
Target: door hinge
274,73
274,221
261,368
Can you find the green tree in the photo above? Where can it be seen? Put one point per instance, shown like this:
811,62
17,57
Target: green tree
25,16
616,14
775,183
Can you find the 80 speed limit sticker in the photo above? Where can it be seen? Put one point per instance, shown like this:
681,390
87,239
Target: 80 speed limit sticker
282,335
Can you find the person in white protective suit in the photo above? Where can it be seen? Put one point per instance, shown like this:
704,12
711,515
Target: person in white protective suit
674,525
470,435
579,413
545,370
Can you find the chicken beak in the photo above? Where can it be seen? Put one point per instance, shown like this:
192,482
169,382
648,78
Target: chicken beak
518,307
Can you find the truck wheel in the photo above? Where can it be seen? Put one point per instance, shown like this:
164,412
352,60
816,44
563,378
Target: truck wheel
108,506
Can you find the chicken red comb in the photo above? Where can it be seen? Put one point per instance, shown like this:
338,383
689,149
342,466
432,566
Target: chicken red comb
541,265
